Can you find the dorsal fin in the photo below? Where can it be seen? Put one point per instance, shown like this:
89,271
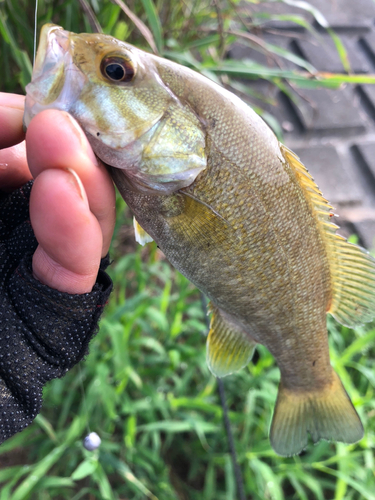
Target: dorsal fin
352,268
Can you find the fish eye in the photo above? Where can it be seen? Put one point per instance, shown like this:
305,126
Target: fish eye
117,69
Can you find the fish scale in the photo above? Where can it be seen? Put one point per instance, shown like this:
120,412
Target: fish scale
276,305
287,240
232,209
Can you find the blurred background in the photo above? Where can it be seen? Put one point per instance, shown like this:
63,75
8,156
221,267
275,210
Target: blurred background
308,68
331,130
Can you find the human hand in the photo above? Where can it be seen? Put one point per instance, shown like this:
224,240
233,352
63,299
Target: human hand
72,204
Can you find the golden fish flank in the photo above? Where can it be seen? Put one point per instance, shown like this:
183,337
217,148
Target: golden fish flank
232,209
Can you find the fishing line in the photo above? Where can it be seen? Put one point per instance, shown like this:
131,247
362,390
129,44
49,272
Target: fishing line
35,28
227,425
84,397
92,440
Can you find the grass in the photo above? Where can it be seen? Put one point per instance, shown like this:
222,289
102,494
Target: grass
147,390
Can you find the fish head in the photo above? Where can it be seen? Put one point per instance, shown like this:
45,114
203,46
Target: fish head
131,118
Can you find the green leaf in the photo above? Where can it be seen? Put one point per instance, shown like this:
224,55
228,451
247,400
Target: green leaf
340,50
154,23
51,482
230,484
309,8
289,56
128,475
46,426
38,472
121,30
103,483
357,346
85,468
131,431
171,427
366,493
20,56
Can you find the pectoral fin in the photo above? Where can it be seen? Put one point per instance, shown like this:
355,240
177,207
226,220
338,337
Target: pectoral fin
229,348
194,222
140,234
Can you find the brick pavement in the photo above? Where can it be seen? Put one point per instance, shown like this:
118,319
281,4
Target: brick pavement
333,131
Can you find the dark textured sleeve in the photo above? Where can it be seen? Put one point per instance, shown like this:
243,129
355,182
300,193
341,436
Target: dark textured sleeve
43,332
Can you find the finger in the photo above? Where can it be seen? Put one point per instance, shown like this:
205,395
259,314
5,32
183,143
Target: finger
11,113
14,171
69,235
55,140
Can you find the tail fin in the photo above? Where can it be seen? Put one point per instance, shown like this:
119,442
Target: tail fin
326,414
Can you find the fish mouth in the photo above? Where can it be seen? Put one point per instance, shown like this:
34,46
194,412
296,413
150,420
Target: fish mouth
53,44
50,87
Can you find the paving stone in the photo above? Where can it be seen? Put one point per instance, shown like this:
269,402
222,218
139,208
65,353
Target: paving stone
286,115
326,110
243,51
340,14
345,228
261,13
368,45
367,152
364,179
366,231
263,93
367,93
323,55
264,96
347,14
257,92
332,174
343,166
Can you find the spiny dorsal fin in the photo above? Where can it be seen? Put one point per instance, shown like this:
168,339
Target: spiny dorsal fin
352,268
141,236
229,348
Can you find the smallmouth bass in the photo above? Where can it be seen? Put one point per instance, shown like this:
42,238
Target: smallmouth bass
233,210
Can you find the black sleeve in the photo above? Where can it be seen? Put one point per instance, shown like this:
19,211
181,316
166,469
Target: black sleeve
43,332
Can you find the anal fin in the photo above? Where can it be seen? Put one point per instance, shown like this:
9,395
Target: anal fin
325,413
141,236
229,348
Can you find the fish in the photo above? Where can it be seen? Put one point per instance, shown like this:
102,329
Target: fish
233,210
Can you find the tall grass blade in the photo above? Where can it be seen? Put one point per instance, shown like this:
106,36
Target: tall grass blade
94,23
139,24
341,50
38,472
154,22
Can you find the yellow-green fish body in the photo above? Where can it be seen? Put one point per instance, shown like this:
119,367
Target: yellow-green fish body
232,209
